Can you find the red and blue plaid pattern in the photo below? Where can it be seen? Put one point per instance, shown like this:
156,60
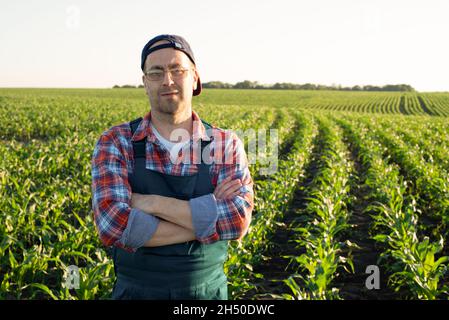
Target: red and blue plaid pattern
113,160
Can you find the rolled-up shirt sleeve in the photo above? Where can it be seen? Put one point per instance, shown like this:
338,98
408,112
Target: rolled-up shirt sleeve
204,215
116,222
139,229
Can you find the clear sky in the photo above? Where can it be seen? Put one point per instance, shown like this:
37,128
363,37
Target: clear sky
79,43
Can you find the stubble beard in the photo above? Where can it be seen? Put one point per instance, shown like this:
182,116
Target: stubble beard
169,106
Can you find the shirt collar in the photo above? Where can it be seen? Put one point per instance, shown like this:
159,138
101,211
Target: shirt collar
144,129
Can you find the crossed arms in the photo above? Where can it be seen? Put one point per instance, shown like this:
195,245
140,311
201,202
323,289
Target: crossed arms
176,224
131,220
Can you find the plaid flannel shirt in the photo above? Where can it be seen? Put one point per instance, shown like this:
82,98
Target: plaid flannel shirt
118,224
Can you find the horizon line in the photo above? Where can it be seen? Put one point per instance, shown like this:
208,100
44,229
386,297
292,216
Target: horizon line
105,88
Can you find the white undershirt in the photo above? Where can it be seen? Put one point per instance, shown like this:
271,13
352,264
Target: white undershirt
169,145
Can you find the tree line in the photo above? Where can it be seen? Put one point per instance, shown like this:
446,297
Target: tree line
247,84
127,86
307,86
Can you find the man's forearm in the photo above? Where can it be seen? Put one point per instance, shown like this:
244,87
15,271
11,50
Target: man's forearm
169,233
170,209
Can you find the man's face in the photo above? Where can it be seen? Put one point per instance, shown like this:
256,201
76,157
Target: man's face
172,93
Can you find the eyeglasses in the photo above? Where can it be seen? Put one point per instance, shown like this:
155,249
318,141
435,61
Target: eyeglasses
175,73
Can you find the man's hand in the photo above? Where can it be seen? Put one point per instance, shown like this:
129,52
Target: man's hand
228,188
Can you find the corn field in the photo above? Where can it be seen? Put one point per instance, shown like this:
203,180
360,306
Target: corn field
362,180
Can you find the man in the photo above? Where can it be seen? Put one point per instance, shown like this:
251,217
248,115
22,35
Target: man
166,210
